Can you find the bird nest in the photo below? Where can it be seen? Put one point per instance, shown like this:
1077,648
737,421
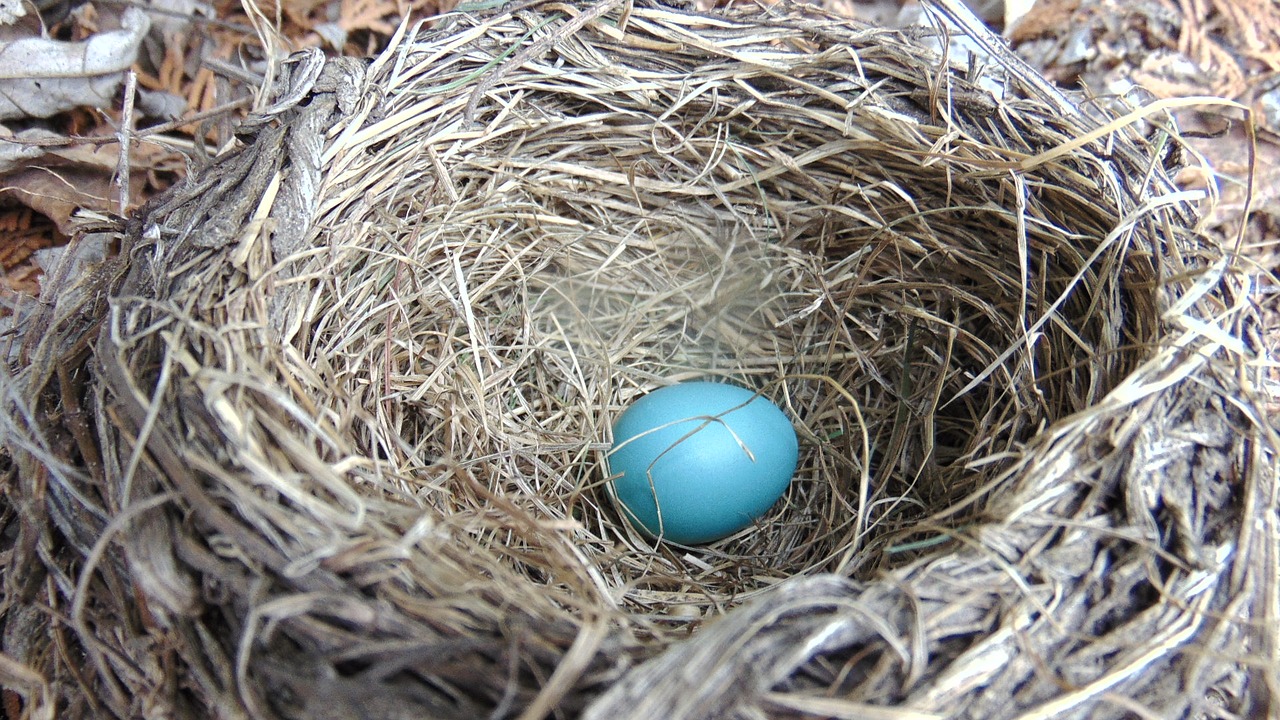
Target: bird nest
327,437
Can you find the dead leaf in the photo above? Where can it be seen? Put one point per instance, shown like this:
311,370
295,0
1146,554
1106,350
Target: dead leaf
40,77
57,181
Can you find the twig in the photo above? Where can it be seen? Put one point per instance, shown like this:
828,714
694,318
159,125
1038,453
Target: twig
140,134
125,135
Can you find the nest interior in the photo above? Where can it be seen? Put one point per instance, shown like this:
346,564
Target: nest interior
338,446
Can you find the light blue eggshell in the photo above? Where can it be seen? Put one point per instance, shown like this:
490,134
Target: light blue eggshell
674,458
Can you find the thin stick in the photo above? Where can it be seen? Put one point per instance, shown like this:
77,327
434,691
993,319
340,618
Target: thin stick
125,136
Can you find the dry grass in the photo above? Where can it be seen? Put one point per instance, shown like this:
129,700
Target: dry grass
337,436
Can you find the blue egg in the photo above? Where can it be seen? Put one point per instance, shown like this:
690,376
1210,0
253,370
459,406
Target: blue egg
699,461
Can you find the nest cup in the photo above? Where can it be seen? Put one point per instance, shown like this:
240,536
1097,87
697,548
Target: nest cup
347,393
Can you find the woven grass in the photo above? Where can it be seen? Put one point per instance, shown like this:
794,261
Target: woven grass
327,439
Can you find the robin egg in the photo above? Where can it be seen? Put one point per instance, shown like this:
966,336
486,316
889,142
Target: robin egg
698,461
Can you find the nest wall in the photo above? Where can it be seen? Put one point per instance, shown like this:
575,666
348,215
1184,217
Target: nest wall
328,437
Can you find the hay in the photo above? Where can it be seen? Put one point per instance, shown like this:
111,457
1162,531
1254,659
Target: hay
327,438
